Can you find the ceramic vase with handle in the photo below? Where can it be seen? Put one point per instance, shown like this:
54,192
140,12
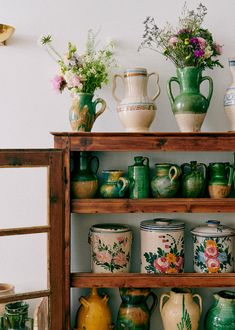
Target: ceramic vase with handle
180,311
136,110
193,179
138,175
221,179
16,317
229,97
114,184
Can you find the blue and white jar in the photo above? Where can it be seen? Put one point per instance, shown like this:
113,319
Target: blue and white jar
229,97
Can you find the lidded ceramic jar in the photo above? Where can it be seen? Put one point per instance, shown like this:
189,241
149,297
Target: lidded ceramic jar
162,246
213,248
110,248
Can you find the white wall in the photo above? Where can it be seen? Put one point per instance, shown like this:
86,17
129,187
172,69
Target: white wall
30,109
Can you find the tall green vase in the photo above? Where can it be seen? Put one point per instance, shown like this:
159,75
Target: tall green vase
190,106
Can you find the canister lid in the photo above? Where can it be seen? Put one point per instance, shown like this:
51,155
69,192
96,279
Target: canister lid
213,228
109,228
162,224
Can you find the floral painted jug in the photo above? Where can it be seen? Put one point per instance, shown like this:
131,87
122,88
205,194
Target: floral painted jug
221,316
114,184
221,179
137,110
229,97
180,311
138,175
193,179
134,313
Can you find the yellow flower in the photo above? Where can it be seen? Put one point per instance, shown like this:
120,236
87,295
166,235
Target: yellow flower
171,258
171,271
211,243
186,41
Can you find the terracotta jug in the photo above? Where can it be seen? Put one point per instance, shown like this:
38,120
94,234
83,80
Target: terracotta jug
134,313
221,316
94,312
180,312
193,179
221,178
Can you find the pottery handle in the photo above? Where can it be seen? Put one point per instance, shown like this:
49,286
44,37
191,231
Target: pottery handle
103,106
97,163
154,303
157,84
199,301
176,172
169,91
164,295
203,167
147,160
186,168
115,85
124,185
210,87
229,170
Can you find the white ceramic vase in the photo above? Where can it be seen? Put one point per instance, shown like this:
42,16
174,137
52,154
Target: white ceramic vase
229,97
5,289
137,110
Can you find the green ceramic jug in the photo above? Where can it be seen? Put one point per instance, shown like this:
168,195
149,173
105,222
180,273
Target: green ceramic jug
221,179
16,317
193,179
84,182
221,315
138,175
114,184
166,181
134,313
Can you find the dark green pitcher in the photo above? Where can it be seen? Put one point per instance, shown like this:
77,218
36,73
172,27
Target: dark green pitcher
193,179
134,313
221,179
16,317
138,175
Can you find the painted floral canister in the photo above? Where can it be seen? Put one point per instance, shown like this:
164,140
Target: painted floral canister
213,248
162,246
110,248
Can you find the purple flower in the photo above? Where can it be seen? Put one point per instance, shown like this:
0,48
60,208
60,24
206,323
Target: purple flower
194,40
198,53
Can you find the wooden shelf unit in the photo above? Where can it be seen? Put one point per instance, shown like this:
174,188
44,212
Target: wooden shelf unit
154,142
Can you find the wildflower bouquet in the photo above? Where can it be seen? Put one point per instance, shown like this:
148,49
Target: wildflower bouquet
187,45
81,73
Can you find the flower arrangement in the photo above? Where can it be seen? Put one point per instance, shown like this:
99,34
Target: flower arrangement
187,45
81,73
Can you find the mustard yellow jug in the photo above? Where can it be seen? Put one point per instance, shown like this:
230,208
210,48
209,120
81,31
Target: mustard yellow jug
94,312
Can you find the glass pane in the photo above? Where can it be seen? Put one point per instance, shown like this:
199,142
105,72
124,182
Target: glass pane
23,195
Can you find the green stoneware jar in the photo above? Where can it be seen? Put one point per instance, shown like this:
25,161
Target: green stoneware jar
190,106
83,112
114,184
165,183
16,317
138,175
84,182
193,179
134,313
221,179
221,315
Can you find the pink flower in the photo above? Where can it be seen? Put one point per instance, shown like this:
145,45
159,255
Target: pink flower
202,42
120,259
103,257
161,264
217,48
211,252
213,265
198,53
179,262
173,41
75,81
58,83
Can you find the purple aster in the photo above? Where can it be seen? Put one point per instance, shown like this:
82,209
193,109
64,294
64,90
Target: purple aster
194,40
199,53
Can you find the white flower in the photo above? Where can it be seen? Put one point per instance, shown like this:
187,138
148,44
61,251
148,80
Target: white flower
208,52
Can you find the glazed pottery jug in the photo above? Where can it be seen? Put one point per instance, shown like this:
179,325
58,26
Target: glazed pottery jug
213,248
110,248
190,106
180,312
229,97
166,181
84,182
5,289
138,175
94,312
221,179
193,179
134,313
115,184
162,246
221,315
16,317
83,112
137,110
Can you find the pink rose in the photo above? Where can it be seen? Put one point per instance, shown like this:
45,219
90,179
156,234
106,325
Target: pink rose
57,83
211,252
202,42
103,256
120,259
173,41
213,265
161,264
179,262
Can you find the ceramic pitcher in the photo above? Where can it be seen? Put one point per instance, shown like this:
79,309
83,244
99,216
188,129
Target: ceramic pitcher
221,315
193,179
16,317
221,179
114,184
84,182
180,311
94,312
138,175
136,110
166,181
134,313
229,97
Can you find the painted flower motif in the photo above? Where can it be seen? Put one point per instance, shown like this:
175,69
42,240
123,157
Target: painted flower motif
171,258
120,259
211,252
179,262
213,265
172,270
161,264
103,257
211,243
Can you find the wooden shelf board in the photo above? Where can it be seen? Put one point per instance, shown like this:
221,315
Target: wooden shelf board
156,205
190,280
24,296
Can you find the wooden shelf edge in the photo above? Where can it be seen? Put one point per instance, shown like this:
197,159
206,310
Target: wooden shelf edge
185,280
25,296
156,205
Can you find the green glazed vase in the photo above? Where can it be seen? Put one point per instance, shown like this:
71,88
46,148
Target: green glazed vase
166,183
83,112
134,313
221,316
193,179
190,106
114,184
16,317
138,175
221,179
